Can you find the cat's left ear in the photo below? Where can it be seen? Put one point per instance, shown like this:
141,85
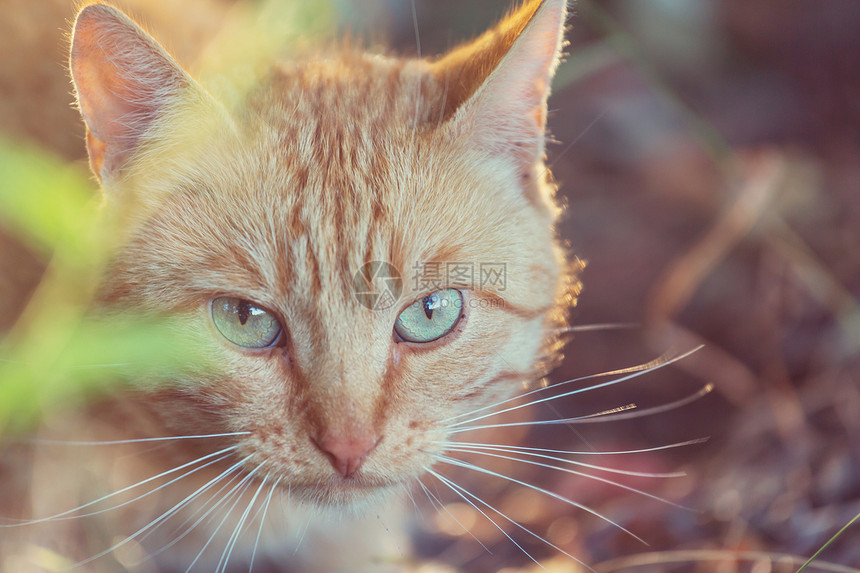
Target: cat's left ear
498,85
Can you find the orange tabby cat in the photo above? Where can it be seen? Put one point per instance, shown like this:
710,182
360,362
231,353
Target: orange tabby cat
281,232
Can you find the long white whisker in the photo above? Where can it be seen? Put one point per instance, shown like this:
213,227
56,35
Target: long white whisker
413,153
194,514
636,372
143,495
585,475
412,498
258,512
247,479
431,498
703,391
602,417
710,556
577,452
485,449
466,465
237,531
262,522
283,530
519,397
121,491
283,506
418,86
596,327
647,366
164,516
570,145
573,429
457,521
514,522
456,489
302,536
44,442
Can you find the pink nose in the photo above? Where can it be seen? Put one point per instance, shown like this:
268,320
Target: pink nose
346,452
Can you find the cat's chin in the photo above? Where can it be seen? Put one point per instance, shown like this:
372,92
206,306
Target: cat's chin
355,494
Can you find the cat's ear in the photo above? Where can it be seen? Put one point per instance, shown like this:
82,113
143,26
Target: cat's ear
124,81
498,85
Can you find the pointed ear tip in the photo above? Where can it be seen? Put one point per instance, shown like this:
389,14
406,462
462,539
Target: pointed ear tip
94,14
559,7
93,22
101,9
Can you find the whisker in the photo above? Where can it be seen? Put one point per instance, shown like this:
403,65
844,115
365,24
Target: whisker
460,463
572,429
602,417
581,453
455,488
570,145
164,516
121,491
514,522
457,521
690,556
194,514
44,442
430,497
635,371
589,476
412,498
418,86
703,391
637,368
237,531
283,507
483,449
262,522
162,486
598,326
302,536
247,479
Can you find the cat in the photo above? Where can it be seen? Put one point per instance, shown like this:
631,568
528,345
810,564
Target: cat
279,232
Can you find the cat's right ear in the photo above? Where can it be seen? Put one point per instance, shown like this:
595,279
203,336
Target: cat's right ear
497,86
124,81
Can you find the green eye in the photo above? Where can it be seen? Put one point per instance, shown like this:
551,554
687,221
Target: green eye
430,318
244,323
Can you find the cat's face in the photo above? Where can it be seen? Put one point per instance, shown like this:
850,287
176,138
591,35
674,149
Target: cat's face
261,227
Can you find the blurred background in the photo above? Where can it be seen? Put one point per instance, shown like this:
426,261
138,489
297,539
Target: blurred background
708,153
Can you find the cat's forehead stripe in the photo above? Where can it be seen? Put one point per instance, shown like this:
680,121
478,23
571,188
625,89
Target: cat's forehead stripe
346,93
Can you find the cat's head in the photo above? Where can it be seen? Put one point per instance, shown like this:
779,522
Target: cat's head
363,246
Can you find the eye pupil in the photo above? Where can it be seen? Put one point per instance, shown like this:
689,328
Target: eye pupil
430,303
243,311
